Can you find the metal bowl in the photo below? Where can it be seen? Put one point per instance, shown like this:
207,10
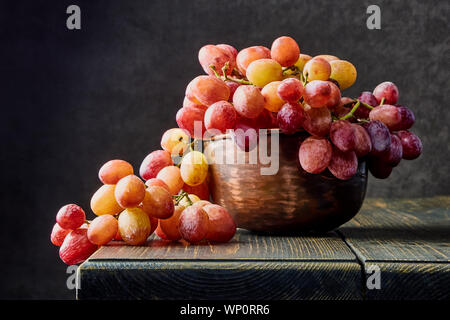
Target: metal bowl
292,200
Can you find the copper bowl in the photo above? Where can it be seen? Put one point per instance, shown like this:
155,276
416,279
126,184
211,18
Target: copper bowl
290,201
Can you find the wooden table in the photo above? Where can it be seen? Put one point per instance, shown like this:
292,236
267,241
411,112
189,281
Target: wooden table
402,245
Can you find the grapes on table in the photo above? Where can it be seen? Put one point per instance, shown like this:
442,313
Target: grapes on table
58,235
171,176
76,247
130,191
158,202
102,229
154,162
169,227
104,201
193,224
134,226
221,225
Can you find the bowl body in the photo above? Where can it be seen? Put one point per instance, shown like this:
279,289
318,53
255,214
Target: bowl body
289,201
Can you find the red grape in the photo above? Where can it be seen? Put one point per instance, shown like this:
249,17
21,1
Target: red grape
412,146
343,165
220,116
290,118
379,136
395,154
248,101
208,89
229,50
315,154
153,163
232,86
342,134
187,118
130,191
193,224
285,50
70,216
320,93
363,112
388,91
158,203
76,247
245,136
58,235
213,55
388,114
102,229
378,168
290,90
317,121
188,103
248,55
407,117
156,182
221,225
363,144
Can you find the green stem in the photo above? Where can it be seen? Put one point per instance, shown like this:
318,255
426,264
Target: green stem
350,114
368,106
382,101
225,77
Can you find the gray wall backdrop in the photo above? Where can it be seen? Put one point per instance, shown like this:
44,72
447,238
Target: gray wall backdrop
75,99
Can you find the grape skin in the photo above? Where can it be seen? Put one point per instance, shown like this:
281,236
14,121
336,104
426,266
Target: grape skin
193,224
315,154
248,101
76,247
367,97
201,190
70,216
104,201
302,60
153,163
411,144
395,154
170,226
343,72
379,136
318,93
290,90
130,191
172,177
378,168
363,144
342,134
134,226
317,121
407,118
317,69
102,229
388,114
245,136
248,55
194,168
285,50
156,182
221,225
213,55
263,71
343,165
388,91
114,170
187,118
273,102
158,203
220,116
58,235
290,118
209,89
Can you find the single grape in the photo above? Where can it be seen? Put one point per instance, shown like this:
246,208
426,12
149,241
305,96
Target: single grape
70,216
317,121
229,50
378,168
221,225
194,168
343,165
290,118
285,50
189,103
342,134
302,60
363,144
290,90
245,136
134,226
248,101
248,55
320,93
327,57
76,247
169,226
193,224
58,235
317,69
102,229
191,120
220,116
130,191
411,144
363,112
343,72
114,170
156,182
190,94
388,91
155,161
389,115
104,201
263,71
379,136
273,102
209,89
335,96
175,141
212,55
172,177
201,190
158,203
232,86
407,117
315,154
395,154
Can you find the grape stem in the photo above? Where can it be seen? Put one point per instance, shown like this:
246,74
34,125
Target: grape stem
368,106
382,101
225,77
350,114
182,195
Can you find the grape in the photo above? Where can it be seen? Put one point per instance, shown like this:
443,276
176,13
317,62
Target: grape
394,156
160,233
317,69
201,204
232,86
343,72
201,190
104,201
290,90
193,224
273,102
220,116
70,216
343,165
367,97
317,121
192,197
154,162
114,170
158,203
102,229
221,225
190,94
58,235
363,145
335,96
290,118
76,247
175,141
194,168
229,50
342,134
315,154
209,89
327,57
263,71
302,60
248,101
172,177
320,93
265,120
248,55
245,137
134,226
213,55
412,146
130,191
189,103
153,224
407,117
156,182
389,115
378,168
388,91
169,227
191,120
379,136
285,50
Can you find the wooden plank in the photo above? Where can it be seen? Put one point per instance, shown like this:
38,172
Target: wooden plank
249,267
409,240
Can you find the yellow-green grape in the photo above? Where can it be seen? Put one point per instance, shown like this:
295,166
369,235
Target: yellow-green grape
317,69
302,60
194,168
175,141
343,72
261,72
184,202
273,102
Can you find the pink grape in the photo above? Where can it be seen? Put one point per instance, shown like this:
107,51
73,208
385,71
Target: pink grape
188,117
343,165
153,163
58,235
388,91
411,144
245,136
379,136
315,154
290,90
248,101
229,50
290,118
388,114
367,97
378,168
317,121
220,116
213,55
395,154
342,134
221,225
319,93
188,103
285,50
207,90
407,117
70,216
363,144
232,86
248,55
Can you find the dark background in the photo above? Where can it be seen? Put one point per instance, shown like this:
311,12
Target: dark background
71,100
